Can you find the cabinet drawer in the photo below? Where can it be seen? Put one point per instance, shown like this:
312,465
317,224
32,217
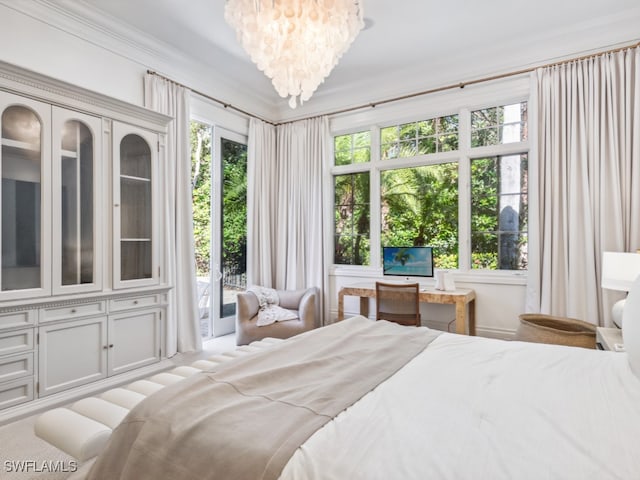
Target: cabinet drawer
17,319
119,304
72,311
16,366
16,342
15,392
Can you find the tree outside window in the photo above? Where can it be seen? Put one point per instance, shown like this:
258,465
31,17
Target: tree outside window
352,241
419,207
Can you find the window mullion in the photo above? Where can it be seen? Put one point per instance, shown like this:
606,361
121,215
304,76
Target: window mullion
375,209
464,191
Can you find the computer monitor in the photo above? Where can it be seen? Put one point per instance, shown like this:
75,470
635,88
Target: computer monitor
407,261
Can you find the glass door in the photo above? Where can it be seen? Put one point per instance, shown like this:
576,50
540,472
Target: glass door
219,185
230,175
135,260
77,235
25,210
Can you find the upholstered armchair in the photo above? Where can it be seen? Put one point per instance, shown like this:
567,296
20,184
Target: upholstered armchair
302,302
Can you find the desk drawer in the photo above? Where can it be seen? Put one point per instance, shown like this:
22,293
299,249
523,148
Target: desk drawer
120,304
16,366
17,319
16,342
72,311
16,392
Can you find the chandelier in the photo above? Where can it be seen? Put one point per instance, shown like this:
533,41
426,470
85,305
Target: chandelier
296,43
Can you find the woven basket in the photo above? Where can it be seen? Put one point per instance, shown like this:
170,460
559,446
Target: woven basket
535,327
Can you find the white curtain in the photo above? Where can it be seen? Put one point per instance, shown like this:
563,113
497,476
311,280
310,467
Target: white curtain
588,181
182,328
288,199
262,202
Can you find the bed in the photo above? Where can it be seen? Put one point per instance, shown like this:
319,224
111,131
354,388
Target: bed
397,403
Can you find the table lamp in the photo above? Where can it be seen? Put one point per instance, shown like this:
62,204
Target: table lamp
619,270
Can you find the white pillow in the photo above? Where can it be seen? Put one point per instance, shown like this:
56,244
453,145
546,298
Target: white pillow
631,327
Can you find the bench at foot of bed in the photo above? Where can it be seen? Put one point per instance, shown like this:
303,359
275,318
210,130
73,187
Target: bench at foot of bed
83,428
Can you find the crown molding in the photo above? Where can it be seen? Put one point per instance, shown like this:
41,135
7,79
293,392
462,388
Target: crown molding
81,20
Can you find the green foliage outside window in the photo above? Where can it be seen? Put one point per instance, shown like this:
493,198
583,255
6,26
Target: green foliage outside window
234,207
201,195
419,138
351,219
234,198
499,125
499,212
420,207
352,148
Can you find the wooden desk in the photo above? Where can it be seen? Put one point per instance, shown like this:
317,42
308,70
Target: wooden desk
463,298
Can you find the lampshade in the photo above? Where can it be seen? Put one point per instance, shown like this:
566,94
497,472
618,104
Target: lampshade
619,270
296,43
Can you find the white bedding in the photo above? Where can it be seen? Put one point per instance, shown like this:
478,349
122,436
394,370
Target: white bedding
477,408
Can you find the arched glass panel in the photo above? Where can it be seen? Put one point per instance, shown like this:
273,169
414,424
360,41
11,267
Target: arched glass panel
76,165
135,208
21,193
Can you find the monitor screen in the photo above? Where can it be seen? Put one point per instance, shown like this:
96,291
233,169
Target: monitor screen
407,261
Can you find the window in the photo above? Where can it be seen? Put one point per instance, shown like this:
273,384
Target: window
420,207
499,211
499,125
352,219
419,138
352,148
418,194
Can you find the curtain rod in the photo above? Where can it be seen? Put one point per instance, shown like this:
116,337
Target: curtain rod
209,97
407,96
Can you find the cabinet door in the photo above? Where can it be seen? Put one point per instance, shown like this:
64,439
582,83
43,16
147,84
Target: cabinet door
136,338
26,214
77,228
72,354
135,157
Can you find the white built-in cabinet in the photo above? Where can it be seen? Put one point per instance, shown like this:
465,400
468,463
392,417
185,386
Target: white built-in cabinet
82,296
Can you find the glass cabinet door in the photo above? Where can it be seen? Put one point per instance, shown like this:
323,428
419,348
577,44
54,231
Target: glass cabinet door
76,186
25,144
135,261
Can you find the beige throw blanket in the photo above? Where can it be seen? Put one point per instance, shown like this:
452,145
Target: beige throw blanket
244,419
270,310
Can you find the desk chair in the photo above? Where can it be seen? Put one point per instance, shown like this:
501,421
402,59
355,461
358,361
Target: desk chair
398,302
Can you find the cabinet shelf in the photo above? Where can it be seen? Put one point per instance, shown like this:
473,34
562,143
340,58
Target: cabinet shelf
135,239
32,147
134,179
69,154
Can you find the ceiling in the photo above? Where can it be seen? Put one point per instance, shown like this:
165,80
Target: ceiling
411,45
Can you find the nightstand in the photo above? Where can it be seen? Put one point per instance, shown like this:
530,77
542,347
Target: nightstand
609,339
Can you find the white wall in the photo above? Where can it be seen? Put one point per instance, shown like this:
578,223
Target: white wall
42,48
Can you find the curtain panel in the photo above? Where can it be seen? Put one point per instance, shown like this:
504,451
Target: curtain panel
587,181
182,329
286,231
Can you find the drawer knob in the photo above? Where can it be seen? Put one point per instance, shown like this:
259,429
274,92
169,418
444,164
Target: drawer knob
105,347
73,310
135,302
111,346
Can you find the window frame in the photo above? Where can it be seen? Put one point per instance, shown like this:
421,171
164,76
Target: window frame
462,156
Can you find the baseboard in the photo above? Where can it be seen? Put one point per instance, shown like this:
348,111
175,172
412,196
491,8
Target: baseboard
33,407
